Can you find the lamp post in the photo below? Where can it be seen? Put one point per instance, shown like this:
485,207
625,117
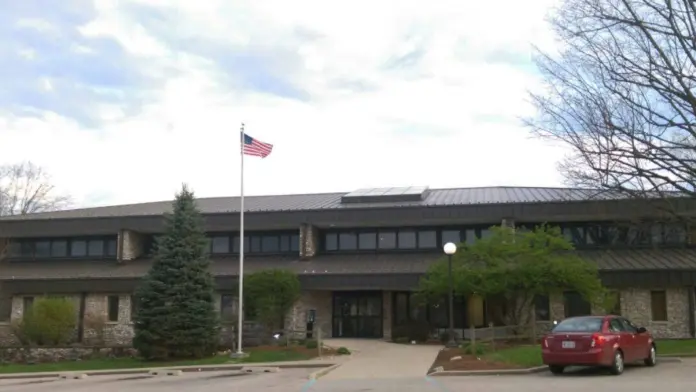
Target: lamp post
450,249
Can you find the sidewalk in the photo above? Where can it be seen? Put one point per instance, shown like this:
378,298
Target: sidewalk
310,364
373,359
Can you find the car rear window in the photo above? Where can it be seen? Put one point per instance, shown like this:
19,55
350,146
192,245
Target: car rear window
582,324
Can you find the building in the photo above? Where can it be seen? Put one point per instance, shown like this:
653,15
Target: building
359,255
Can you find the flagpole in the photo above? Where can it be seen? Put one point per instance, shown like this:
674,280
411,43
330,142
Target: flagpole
240,308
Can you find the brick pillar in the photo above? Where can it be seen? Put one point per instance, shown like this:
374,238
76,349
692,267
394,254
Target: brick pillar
309,241
131,245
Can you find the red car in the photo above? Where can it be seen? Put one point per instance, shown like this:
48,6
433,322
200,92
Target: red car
607,341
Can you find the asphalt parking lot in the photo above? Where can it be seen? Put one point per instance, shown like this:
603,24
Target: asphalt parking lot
666,377
285,381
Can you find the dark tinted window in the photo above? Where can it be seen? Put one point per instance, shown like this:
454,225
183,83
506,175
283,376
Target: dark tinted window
227,307
454,236
576,305
542,308
368,240
113,307
220,244
407,239
59,248
580,324
331,241
628,326
26,249
255,244
616,326
387,239
295,243
427,239
78,248
348,241
96,248
284,243
270,244
111,248
42,249
235,244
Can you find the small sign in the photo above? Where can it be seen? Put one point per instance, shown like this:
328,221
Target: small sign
568,344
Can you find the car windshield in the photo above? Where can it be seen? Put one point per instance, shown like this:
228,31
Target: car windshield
580,324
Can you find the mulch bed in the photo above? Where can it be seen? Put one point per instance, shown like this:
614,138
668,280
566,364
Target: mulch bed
467,362
309,352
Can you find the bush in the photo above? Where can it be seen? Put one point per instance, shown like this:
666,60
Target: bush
343,351
415,330
50,321
311,344
477,349
401,339
445,337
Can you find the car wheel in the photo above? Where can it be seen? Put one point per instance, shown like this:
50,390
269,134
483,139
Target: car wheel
617,367
651,360
555,369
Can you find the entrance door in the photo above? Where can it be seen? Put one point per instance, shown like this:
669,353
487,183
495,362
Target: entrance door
357,314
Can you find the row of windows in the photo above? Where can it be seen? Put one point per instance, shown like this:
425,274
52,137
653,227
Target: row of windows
226,243
392,239
63,247
601,235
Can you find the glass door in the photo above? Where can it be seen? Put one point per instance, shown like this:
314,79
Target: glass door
357,314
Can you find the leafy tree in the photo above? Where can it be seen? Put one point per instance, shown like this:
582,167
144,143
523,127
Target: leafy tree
50,321
516,265
270,295
176,316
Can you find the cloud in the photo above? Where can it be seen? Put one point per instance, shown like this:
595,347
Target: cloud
124,100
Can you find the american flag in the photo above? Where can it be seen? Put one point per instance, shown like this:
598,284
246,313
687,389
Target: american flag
255,147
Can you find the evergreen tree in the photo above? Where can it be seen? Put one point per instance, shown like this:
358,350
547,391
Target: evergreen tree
175,316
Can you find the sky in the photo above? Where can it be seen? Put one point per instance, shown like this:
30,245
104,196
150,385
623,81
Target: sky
123,101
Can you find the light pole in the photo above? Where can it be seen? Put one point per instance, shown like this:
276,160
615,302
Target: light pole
450,249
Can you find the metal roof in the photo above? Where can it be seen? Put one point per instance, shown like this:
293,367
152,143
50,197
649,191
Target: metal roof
352,264
332,201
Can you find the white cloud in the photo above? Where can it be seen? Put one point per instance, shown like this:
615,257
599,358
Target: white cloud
450,120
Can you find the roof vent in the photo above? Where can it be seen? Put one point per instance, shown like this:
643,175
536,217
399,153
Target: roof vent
387,195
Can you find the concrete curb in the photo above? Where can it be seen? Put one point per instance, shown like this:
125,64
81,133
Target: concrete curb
184,369
510,372
501,372
323,372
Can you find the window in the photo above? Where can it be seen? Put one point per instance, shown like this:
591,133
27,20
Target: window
427,239
26,249
78,248
580,324
575,235
401,306
658,305
615,325
575,304
270,244
368,241
112,307
542,308
387,240
228,307
331,241
295,243
5,309
407,239
14,249
470,236
454,236
235,244
220,244
628,326
27,303
95,248
485,233
111,247
42,249
254,244
674,234
496,309
59,248
347,241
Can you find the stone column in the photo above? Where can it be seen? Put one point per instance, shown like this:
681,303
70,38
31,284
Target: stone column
309,241
131,245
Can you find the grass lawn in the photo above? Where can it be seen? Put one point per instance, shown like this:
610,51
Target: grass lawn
530,356
255,356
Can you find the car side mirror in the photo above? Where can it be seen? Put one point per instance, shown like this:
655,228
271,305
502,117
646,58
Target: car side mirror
642,330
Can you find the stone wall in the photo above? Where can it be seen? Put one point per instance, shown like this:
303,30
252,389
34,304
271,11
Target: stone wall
132,245
115,333
636,306
309,241
296,319
49,355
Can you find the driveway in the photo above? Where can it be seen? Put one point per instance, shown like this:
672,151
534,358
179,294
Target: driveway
379,359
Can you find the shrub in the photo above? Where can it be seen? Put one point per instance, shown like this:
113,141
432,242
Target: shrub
401,339
311,344
50,321
477,349
445,337
343,351
415,330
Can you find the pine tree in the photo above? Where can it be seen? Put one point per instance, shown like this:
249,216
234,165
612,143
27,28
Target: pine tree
175,316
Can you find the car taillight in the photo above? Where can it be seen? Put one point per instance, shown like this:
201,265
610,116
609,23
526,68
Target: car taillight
597,340
545,342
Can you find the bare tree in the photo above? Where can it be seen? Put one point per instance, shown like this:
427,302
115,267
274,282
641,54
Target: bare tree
26,188
622,95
